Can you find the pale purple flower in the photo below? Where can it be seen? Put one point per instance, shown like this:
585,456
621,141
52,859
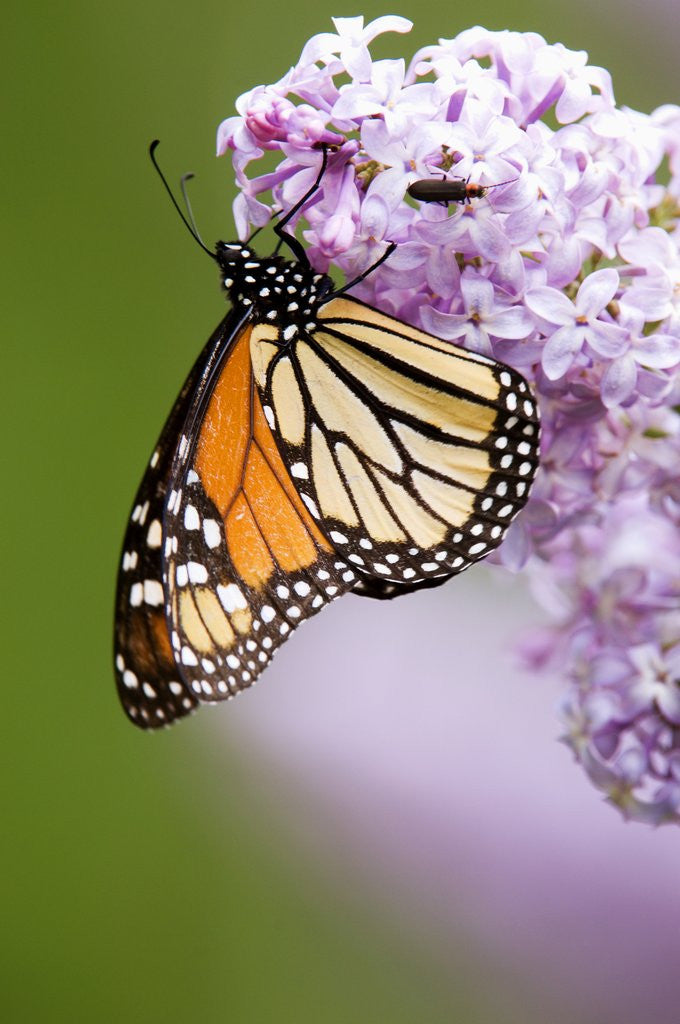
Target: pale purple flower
571,273
484,316
350,43
385,96
578,323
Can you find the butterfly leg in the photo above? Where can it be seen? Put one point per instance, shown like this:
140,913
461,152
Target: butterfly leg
291,241
360,277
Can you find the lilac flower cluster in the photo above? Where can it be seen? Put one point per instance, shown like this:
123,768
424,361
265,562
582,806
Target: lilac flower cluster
570,273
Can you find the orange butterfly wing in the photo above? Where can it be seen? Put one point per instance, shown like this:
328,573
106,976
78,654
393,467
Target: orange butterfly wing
246,563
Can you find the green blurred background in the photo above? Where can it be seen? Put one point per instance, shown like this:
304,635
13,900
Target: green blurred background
142,882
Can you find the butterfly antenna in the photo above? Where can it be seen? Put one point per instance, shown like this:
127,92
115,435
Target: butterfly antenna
191,229
185,196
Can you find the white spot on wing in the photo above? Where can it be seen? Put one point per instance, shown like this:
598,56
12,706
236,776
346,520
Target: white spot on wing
231,598
311,505
192,519
197,572
153,592
188,656
212,533
154,534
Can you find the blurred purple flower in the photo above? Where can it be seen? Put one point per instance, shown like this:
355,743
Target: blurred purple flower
570,272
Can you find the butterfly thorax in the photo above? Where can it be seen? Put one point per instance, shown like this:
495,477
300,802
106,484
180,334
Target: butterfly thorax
283,292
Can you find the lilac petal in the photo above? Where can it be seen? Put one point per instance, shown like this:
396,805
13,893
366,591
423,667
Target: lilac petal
521,225
478,294
385,23
357,101
523,353
380,145
409,256
320,47
608,340
357,61
488,238
390,185
649,247
445,325
590,186
564,261
516,547
594,231
388,77
618,381
477,339
225,133
560,351
659,351
350,30
509,275
443,273
551,305
610,124
653,387
240,214
574,101
668,699
336,235
511,323
596,292
653,298
375,217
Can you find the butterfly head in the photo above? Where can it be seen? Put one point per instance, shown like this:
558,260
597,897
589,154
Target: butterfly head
233,255
283,291
240,267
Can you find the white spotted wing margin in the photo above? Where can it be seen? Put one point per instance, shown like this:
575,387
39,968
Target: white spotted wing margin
150,683
246,564
416,454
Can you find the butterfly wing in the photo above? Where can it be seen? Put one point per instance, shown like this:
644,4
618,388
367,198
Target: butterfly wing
246,562
414,454
150,684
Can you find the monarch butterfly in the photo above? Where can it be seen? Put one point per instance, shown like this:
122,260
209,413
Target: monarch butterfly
445,190
317,447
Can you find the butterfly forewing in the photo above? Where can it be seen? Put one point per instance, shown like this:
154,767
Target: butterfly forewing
415,455
246,562
150,686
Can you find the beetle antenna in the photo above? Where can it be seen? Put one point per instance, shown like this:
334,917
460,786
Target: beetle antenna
499,183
